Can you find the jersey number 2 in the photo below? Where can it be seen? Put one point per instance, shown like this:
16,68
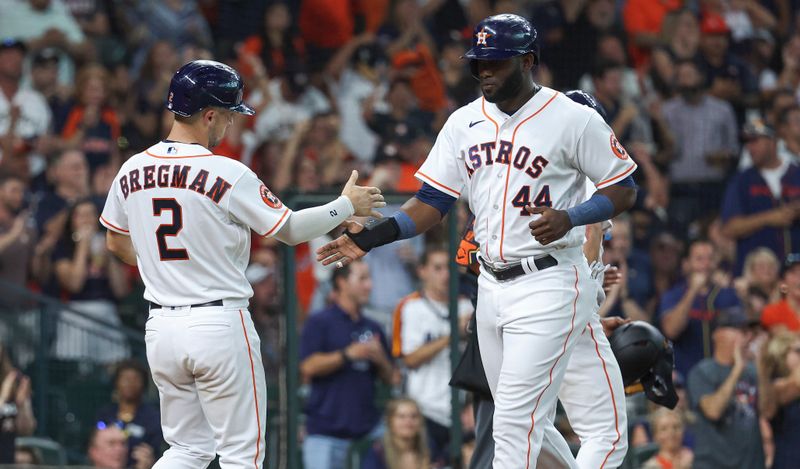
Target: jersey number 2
172,229
523,199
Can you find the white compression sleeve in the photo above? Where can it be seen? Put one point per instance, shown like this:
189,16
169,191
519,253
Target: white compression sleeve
307,224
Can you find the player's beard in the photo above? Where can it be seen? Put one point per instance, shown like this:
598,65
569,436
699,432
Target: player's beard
510,88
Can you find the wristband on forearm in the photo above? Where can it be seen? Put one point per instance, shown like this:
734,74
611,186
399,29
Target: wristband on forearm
376,232
598,208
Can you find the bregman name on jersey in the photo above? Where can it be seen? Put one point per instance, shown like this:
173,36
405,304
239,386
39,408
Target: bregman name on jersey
176,176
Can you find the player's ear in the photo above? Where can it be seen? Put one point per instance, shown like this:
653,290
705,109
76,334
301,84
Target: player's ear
528,62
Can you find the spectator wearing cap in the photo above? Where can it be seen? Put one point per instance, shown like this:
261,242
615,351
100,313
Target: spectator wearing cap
44,79
688,309
785,314
762,204
723,391
401,120
24,113
728,77
706,139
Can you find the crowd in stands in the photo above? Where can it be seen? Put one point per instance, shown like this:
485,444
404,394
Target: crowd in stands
704,94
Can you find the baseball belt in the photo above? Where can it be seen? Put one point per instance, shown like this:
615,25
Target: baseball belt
515,271
199,305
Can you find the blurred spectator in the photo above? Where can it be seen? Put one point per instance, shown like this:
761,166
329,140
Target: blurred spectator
69,175
643,19
276,44
177,21
723,390
339,21
789,77
759,281
139,420
665,259
403,445
108,449
342,354
781,396
624,117
421,339
17,236
44,79
24,114
581,40
461,86
788,127
146,100
92,280
759,56
402,121
743,17
44,23
610,48
667,428
16,411
91,124
680,34
762,204
27,456
785,314
704,129
727,76
91,15
688,309
626,298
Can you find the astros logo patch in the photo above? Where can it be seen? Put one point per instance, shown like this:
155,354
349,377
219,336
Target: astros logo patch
269,198
482,36
616,147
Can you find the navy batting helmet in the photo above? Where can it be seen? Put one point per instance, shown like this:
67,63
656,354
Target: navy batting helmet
646,360
502,37
203,83
582,97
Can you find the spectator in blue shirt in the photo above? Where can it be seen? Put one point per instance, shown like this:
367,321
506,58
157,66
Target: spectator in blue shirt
343,354
762,203
688,308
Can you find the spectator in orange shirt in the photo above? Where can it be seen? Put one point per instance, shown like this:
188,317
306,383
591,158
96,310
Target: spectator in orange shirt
786,313
642,20
326,25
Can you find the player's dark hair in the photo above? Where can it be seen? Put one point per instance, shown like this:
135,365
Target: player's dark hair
429,251
7,176
134,365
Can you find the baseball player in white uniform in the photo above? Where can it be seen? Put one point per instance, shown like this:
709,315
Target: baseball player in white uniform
520,154
184,216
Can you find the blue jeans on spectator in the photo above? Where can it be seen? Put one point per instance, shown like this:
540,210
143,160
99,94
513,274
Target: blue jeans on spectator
327,452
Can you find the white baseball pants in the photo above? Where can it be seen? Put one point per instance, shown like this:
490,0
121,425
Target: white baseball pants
206,363
527,330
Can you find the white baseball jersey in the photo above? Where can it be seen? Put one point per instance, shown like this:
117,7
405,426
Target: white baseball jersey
422,320
539,156
189,214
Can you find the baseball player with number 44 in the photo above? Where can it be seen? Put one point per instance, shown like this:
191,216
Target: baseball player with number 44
184,216
520,155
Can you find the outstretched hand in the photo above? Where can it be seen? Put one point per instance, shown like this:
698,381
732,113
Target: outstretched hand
341,250
550,226
364,199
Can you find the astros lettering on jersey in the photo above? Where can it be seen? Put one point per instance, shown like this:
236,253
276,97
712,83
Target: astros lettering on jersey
538,157
143,202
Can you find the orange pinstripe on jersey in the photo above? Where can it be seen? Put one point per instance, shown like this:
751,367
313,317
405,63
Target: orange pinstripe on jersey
563,351
255,390
613,399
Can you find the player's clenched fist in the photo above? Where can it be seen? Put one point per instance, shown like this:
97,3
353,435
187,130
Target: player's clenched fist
550,226
364,199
